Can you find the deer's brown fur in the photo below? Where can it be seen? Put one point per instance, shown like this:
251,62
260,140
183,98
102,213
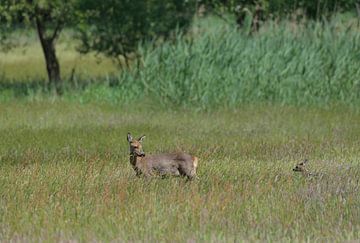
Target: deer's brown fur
176,164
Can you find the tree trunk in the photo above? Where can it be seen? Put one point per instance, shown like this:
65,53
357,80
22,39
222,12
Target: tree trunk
52,63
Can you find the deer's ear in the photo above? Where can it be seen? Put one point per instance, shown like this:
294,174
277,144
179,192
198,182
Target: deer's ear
129,137
141,139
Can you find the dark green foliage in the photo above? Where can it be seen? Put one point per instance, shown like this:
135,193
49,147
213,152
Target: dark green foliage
4,44
116,27
314,9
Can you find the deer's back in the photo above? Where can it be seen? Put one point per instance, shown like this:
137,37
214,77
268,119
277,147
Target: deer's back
171,163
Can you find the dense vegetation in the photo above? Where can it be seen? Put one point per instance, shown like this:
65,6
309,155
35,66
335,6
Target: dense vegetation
115,28
65,174
247,88
289,63
313,9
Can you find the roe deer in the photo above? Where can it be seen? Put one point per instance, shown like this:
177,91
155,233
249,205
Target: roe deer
301,167
177,164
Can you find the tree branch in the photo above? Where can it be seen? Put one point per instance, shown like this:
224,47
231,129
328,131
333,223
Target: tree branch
57,30
40,29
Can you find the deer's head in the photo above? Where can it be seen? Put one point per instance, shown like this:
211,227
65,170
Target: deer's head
301,167
136,145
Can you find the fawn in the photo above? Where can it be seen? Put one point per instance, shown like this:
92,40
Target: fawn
301,167
177,164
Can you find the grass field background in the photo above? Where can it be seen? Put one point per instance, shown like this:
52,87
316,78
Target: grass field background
25,61
249,106
65,174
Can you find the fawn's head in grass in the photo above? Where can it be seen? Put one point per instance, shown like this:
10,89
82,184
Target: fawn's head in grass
301,167
136,145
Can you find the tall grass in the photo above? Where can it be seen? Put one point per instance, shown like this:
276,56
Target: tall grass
312,64
65,175
217,65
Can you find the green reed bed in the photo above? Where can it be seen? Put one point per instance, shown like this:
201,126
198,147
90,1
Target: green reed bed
311,64
216,65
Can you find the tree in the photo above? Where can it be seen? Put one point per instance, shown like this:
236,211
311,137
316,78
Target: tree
48,17
115,28
253,10
313,9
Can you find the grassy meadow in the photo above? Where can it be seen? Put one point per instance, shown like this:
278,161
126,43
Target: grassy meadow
65,174
249,106
25,62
